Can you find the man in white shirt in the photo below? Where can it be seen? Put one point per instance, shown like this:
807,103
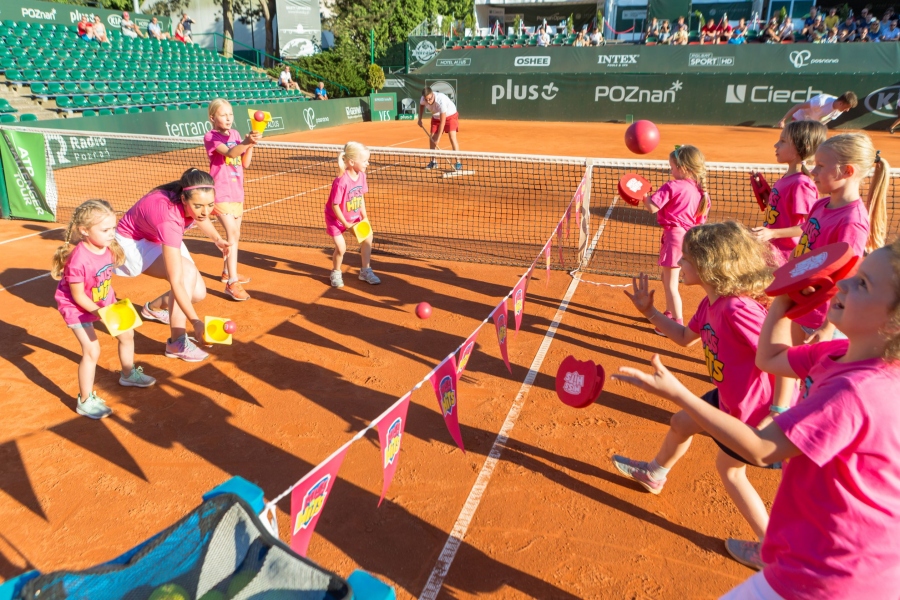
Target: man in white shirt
285,81
822,108
444,117
543,38
892,34
129,29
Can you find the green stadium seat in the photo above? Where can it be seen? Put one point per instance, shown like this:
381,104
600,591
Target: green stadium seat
95,100
63,102
6,107
101,86
39,89
28,117
30,75
80,101
54,89
105,112
150,98
123,99
115,86
85,87
89,113
133,110
70,87
7,118
119,111
13,75
128,86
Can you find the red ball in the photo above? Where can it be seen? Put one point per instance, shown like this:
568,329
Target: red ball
423,310
642,137
229,327
259,115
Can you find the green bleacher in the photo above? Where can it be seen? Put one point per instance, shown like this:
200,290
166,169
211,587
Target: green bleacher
130,75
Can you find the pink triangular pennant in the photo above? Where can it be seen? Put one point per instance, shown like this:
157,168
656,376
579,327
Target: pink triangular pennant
547,257
499,317
518,296
390,432
559,244
466,352
308,499
444,382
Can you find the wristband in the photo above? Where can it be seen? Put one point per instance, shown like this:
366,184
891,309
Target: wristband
778,409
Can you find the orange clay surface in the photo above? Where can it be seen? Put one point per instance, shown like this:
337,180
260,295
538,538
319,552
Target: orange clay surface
312,365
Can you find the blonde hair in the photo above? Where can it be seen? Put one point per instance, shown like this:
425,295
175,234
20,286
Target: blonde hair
690,160
806,137
729,258
85,216
892,347
352,151
857,149
216,104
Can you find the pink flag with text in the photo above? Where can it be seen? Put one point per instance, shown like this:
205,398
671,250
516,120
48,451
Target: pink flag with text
518,296
444,382
308,499
547,258
390,432
499,317
466,352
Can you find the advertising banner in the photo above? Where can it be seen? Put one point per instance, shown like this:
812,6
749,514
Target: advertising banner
30,193
423,49
299,27
34,11
383,107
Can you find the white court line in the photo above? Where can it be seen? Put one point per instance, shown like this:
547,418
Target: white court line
9,287
30,235
442,567
406,142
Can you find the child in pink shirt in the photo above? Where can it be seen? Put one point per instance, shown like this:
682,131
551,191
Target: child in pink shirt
834,530
84,266
732,268
793,195
345,208
228,157
679,204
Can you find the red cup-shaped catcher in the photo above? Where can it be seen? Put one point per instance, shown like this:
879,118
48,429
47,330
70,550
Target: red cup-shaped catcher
579,383
820,269
633,188
761,190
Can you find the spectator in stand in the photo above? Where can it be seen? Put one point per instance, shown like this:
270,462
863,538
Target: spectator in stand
875,30
863,34
85,29
186,23
596,37
580,42
708,32
665,33
129,29
833,36
847,29
864,18
99,30
787,29
892,34
822,108
887,18
739,35
652,29
680,36
179,33
818,35
320,92
285,80
809,30
155,31
723,30
810,22
832,19
771,35
543,39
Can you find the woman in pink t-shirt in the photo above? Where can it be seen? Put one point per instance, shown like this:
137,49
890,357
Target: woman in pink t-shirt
345,208
84,266
733,269
678,205
834,531
151,235
228,157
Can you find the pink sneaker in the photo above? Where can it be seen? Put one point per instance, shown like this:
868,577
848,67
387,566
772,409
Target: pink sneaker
638,470
668,315
185,349
154,315
746,553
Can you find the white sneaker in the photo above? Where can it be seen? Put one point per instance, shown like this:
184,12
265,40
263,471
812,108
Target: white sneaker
337,279
369,276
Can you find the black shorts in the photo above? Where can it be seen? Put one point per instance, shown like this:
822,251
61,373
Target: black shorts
712,398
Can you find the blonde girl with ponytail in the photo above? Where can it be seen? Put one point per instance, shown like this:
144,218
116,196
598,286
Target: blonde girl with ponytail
680,204
345,208
84,265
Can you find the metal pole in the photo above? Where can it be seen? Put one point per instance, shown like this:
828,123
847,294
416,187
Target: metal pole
372,45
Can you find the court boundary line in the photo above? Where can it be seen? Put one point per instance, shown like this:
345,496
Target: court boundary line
9,287
458,533
30,235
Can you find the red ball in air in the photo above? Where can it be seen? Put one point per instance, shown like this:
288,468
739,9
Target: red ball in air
423,310
642,137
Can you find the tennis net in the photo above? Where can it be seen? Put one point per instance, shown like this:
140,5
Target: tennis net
497,208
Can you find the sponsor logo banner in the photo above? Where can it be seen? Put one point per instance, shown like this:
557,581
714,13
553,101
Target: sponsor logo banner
531,61
634,93
707,59
513,91
804,58
424,51
883,101
617,60
453,62
768,94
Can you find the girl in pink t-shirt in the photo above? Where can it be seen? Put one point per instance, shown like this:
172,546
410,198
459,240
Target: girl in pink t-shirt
842,162
793,195
733,269
346,206
228,157
678,205
84,266
834,530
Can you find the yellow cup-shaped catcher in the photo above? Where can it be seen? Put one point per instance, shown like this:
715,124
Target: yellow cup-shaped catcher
258,126
362,230
214,332
120,317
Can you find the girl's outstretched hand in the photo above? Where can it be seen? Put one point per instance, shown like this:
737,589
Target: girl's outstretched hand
763,234
660,381
642,298
223,245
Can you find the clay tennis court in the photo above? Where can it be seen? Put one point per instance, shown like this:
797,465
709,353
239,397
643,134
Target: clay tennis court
312,365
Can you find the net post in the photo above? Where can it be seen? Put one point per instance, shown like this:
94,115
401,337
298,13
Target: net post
585,229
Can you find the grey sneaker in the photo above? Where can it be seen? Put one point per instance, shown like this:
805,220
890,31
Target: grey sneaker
136,378
431,165
93,407
638,471
458,166
337,279
369,276
154,315
746,553
185,349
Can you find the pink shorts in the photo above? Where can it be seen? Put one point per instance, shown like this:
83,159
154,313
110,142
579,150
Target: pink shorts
670,247
333,227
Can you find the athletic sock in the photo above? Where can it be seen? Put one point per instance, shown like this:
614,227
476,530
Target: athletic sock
655,471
